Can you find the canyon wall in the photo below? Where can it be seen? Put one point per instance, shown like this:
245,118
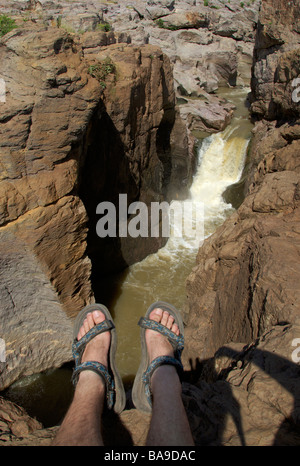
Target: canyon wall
89,115
243,297
70,139
243,294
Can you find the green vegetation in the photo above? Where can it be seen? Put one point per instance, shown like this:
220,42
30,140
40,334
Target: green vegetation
58,21
163,25
106,27
160,23
6,24
101,70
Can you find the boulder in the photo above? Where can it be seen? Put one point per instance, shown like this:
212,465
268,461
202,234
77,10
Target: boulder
192,19
36,332
206,116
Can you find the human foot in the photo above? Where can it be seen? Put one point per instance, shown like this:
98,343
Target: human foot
162,341
94,351
169,423
158,344
97,349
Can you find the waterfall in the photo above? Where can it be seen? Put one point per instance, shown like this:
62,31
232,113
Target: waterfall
220,164
162,276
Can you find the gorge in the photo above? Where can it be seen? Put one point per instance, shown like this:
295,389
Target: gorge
160,94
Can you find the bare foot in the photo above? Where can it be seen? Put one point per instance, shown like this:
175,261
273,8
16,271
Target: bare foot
97,349
157,344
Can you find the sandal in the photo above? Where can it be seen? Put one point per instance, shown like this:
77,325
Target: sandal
141,391
115,393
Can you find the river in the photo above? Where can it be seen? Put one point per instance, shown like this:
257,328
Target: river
161,276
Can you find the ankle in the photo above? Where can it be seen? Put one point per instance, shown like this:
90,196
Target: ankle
89,380
166,376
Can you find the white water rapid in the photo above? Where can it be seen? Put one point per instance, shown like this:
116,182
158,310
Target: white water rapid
162,276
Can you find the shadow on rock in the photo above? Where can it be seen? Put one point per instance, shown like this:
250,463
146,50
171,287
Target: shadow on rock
248,397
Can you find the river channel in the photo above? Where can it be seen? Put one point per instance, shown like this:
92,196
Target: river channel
161,276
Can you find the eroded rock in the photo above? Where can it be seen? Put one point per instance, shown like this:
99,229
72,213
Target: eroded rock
58,119
244,287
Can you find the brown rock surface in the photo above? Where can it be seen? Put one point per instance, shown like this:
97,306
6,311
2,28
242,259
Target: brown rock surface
49,102
243,294
63,133
276,64
14,422
243,291
36,332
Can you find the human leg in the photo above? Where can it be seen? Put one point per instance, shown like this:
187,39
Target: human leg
157,386
82,423
169,423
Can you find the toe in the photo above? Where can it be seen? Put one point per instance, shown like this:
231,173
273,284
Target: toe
98,317
156,315
80,333
164,319
90,321
175,329
92,318
85,325
170,322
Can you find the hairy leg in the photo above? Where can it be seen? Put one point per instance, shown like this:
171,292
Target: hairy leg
82,423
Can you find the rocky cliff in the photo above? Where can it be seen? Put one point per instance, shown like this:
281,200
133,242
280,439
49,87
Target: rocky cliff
209,43
243,294
77,78
65,100
240,359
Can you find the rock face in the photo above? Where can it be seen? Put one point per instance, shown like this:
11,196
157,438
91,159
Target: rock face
243,294
133,130
242,336
210,44
57,165
276,63
48,106
34,341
